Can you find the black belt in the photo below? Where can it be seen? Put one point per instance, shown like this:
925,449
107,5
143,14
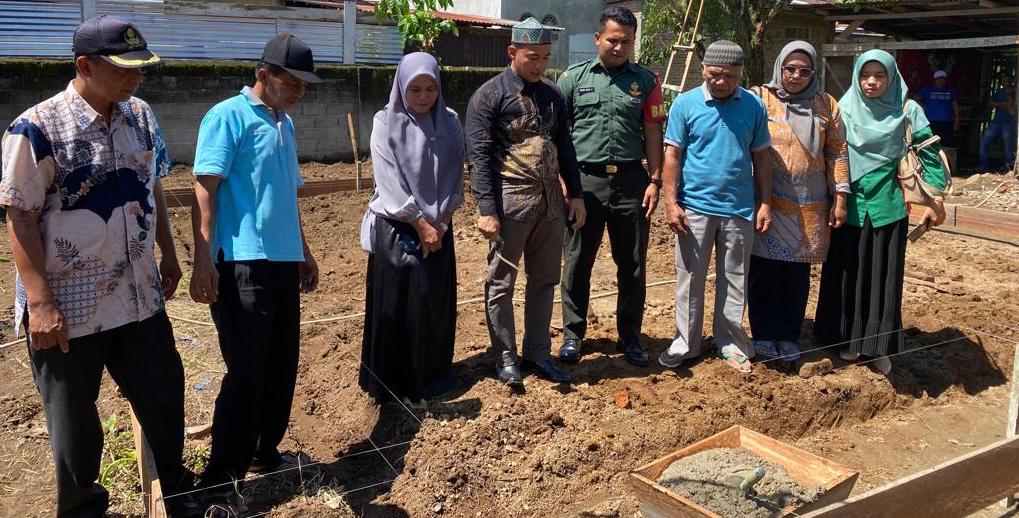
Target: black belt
613,168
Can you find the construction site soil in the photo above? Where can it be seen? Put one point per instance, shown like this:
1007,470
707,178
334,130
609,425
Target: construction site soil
553,451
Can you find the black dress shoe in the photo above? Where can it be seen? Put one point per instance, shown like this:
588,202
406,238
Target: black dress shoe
632,353
507,371
570,351
546,369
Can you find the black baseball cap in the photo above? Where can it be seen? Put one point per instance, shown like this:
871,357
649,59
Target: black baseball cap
293,55
115,40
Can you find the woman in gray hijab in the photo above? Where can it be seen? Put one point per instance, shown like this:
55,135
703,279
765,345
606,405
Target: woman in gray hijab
417,147
810,182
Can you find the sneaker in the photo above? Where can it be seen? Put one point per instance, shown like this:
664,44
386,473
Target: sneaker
285,462
849,356
187,505
788,351
224,502
632,353
883,365
669,360
766,349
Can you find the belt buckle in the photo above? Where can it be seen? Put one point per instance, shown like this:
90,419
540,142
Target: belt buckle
611,169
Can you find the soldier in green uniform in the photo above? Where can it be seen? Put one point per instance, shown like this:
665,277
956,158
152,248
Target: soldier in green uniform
616,109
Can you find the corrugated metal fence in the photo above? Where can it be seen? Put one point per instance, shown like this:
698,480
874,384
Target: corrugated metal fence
43,28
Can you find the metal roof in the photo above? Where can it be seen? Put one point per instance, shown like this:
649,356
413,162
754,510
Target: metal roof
924,19
44,28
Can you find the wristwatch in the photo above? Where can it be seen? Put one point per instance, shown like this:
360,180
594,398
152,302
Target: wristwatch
657,182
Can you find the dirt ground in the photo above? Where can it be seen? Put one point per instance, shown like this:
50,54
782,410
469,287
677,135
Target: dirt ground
553,451
988,191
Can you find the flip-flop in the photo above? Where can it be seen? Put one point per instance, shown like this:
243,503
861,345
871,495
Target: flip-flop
766,349
737,361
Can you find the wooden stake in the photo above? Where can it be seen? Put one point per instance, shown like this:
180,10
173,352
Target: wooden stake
357,156
147,472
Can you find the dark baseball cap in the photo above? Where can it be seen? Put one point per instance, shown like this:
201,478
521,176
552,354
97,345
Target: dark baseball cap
293,55
115,40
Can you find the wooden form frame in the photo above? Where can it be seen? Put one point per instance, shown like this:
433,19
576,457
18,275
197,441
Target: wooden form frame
806,468
957,488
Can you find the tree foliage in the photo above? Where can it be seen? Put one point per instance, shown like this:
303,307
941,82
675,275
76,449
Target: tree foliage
415,19
743,21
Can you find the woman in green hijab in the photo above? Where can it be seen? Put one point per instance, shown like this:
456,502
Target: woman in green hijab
860,299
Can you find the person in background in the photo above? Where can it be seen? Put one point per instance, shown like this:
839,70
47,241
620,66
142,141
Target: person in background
523,165
81,183
860,298
1002,125
417,149
941,102
251,264
717,192
617,112
809,187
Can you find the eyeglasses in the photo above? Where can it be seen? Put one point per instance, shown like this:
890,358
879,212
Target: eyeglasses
804,72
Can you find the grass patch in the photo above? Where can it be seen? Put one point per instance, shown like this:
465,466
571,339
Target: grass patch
118,471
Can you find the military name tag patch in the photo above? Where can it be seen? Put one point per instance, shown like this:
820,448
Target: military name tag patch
585,89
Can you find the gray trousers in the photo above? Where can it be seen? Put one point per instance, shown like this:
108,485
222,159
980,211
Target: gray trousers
540,243
732,238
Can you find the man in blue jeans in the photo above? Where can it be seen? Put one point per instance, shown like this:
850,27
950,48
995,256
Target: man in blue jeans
251,261
1002,125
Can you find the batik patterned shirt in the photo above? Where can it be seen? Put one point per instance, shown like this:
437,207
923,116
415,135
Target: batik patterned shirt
519,144
91,184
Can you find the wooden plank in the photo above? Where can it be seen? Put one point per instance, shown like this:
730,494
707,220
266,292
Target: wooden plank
948,13
849,30
147,471
853,48
658,502
184,196
956,488
1013,413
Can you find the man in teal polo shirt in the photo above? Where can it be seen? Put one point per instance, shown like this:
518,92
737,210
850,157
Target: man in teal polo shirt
617,112
251,262
716,150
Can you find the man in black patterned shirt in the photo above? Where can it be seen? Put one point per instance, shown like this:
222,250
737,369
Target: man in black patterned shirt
524,176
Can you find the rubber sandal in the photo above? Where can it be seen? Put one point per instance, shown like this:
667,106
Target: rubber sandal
737,361
766,349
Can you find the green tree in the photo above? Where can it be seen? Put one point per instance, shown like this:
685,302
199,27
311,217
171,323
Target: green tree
415,19
743,21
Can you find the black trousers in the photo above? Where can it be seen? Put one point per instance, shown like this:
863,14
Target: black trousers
612,201
143,361
777,298
859,302
257,316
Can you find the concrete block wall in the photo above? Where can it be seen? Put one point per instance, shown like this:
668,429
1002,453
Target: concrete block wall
182,92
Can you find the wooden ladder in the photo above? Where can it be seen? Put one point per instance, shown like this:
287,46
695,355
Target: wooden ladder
685,48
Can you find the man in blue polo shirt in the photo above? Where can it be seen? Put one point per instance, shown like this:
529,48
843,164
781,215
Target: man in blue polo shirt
251,261
716,149
941,103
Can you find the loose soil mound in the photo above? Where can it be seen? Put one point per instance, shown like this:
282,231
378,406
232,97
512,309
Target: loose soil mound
712,478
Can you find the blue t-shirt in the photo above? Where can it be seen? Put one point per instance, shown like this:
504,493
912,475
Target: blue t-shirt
1001,115
937,102
256,156
718,136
